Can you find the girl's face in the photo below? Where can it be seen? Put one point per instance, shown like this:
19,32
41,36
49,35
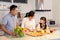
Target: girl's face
42,21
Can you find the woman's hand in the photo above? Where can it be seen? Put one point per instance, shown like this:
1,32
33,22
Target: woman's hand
30,30
24,30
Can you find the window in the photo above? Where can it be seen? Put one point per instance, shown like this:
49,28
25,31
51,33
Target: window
20,1
5,0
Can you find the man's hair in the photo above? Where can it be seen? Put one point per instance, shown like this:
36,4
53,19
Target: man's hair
12,7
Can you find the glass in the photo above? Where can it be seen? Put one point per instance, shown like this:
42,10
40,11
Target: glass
20,1
5,0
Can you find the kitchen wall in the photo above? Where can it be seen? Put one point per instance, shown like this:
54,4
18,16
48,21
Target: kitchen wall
31,6
47,5
23,7
56,11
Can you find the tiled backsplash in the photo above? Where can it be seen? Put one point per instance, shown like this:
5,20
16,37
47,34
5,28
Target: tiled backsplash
48,15
2,14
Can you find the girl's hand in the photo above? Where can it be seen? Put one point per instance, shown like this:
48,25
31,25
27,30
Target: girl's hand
42,31
47,31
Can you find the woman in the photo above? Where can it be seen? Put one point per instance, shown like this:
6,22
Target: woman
19,18
29,21
42,26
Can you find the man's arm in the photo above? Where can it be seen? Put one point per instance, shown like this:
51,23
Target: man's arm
3,26
5,30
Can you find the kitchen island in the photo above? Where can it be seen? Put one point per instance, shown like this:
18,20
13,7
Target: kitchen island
52,36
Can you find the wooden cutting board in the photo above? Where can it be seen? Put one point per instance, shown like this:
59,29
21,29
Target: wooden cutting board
34,34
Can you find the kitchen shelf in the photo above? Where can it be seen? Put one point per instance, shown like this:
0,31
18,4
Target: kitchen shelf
43,10
6,10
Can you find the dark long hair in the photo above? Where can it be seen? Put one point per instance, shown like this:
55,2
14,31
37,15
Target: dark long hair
43,18
31,14
27,14
18,15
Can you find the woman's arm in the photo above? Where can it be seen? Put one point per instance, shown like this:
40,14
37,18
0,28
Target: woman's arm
38,27
23,23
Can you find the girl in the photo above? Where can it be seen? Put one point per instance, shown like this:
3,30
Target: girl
42,26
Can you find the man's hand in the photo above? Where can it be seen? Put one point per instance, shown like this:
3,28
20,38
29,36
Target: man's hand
12,34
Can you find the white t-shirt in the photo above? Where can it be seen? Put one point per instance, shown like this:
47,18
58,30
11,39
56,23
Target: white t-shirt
30,24
38,27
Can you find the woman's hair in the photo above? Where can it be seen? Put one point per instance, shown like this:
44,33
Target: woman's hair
31,14
18,15
43,18
26,14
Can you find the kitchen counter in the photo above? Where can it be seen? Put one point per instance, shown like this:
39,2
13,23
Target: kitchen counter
53,36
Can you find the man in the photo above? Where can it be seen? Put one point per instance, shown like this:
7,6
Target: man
9,22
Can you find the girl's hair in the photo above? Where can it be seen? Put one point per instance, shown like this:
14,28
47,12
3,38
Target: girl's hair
43,18
26,14
31,13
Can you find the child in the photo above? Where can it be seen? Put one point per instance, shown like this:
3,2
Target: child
42,26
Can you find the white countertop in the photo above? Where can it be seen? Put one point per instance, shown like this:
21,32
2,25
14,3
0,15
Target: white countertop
53,36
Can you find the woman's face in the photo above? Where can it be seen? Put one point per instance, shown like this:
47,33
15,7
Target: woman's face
32,17
42,21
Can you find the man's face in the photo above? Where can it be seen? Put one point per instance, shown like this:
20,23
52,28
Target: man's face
15,11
